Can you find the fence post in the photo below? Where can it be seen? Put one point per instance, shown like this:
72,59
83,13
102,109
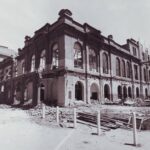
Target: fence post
98,123
75,117
134,129
43,110
57,114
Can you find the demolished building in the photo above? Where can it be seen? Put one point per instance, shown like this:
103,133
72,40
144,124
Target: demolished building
67,61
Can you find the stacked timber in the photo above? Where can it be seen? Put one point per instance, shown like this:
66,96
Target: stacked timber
92,118
143,122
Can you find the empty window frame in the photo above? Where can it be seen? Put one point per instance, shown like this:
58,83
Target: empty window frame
123,68
33,63
78,56
118,67
136,72
105,63
55,56
93,60
42,64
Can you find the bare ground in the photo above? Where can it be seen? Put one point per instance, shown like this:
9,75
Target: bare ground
26,130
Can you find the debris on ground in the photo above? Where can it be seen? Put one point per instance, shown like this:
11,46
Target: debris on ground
111,118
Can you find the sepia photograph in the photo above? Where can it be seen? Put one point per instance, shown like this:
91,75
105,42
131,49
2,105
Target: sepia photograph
74,75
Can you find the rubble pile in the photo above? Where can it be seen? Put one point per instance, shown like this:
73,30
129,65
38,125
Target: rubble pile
112,117
3,106
65,114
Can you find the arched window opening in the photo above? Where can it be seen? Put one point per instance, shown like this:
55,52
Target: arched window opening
18,87
128,70
146,93
134,51
129,92
118,68
123,68
17,92
137,92
42,60
136,74
78,56
78,91
119,92
94,92
106,91
2,88
105,63
25,94
124,92
93,61
42,92
9,93
55,56
144,72
33,63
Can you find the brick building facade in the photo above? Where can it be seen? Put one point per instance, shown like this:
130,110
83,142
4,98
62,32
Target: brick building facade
66,62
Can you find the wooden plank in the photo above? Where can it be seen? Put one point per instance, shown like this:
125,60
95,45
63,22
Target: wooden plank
93,125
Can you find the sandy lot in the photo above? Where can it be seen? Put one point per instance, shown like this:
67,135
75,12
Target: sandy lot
119,139
18,131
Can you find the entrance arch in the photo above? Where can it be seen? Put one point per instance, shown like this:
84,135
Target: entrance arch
137,92
129,92
79,91
94,92
146,93
17,92
119,92
124,92
42,92
106,91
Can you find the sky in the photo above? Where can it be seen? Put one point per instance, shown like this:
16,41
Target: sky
122,18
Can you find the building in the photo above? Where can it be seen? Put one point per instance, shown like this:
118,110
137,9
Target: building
66,62
6,52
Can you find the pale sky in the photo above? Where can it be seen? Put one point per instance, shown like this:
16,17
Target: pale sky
121,18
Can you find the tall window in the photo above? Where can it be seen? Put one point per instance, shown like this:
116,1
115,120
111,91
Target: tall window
146,93
18,87
130,92
42,60
25,94
128,69
105,63
124,92
144,73
119,92
123,68
55,56
134,51
2,88
136,72
79,91
149,75
118,70
33,63
143,55
106,91
93,65
78,56
137,92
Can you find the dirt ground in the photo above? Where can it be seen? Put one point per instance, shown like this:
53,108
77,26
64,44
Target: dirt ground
23,130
